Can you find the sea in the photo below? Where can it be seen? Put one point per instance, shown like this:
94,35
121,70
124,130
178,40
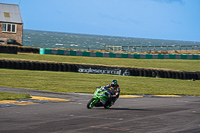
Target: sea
47,39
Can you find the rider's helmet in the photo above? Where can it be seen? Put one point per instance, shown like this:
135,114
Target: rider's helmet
114,83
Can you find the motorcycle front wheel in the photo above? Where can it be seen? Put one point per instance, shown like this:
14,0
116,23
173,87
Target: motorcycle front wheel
91,103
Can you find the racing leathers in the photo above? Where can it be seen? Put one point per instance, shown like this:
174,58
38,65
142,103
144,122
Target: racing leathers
115,91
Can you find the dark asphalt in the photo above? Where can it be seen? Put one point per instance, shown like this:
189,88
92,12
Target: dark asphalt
138,115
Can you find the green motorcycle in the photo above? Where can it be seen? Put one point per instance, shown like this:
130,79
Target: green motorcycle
101,98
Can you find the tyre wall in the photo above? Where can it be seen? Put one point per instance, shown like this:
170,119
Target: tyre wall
28,50
119,55
8,49
16,49
64,67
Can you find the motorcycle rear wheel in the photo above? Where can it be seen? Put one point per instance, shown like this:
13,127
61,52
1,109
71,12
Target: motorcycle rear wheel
107,107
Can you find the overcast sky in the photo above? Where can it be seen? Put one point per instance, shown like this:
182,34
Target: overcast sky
156,19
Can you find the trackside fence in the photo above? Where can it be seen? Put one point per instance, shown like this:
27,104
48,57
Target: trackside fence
153,48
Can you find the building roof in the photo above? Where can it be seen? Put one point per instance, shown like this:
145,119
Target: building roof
10,13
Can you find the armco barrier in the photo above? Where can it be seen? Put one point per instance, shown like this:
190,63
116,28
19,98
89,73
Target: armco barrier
96,69
119,55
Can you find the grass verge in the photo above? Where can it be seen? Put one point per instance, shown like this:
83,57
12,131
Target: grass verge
170,64
13,96
85,83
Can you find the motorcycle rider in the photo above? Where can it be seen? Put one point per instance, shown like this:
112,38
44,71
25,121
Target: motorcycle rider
115,91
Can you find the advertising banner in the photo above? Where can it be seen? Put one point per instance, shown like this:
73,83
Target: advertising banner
104,70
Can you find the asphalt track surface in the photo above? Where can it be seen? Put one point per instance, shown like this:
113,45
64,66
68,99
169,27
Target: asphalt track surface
136,114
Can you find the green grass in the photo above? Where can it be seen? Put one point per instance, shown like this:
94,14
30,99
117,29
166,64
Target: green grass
85,83
13,96
78,82
171,64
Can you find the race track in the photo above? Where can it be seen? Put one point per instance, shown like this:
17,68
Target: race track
134,114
